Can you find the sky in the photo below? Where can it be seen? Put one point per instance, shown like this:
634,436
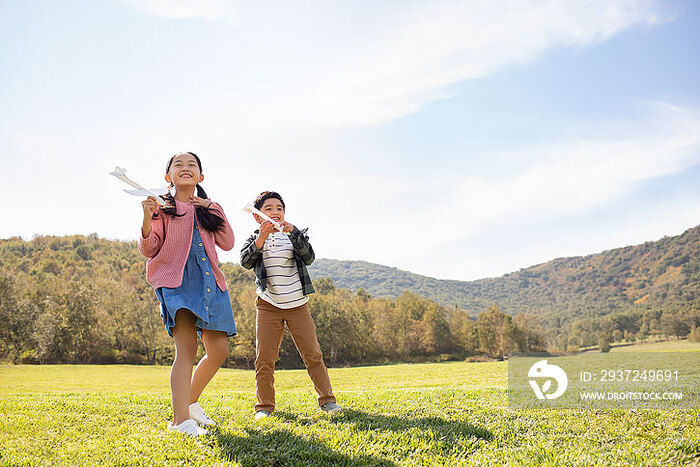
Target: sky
452,139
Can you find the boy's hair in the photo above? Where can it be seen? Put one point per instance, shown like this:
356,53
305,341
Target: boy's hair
260,200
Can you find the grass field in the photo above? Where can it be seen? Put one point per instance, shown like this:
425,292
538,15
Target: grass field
664,346
673,345
422,414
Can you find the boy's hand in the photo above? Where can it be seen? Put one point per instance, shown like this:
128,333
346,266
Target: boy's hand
287,227
266,228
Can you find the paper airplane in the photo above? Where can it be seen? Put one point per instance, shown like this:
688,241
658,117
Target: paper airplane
140,190
250,209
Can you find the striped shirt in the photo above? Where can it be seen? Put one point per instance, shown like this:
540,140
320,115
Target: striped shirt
251,258
284,289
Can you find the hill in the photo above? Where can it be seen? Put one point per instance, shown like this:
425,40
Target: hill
664,273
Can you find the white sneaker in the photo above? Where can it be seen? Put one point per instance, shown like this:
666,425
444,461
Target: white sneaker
260,414
331,407
188,427
198,415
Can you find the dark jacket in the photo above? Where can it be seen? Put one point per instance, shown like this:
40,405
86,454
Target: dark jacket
251,258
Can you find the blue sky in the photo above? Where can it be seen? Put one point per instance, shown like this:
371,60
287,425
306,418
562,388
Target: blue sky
457,140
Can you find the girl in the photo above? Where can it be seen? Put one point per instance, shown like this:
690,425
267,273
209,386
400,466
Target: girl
179,241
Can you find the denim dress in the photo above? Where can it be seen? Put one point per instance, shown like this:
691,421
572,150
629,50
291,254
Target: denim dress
198,293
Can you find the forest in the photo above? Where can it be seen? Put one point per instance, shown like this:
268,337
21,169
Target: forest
84,299
624,294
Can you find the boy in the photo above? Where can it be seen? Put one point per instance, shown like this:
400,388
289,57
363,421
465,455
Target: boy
279,261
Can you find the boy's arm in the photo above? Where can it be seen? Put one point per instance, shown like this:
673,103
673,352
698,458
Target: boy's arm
302,247
250,253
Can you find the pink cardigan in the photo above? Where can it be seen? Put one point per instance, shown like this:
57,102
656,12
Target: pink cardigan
168,245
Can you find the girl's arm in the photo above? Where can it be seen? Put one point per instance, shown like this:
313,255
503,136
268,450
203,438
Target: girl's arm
224,237
149,245
151,238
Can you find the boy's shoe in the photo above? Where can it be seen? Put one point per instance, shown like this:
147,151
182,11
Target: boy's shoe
197,414
260,414
331,407
188,427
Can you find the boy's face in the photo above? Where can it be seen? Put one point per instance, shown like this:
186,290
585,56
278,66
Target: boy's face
272,207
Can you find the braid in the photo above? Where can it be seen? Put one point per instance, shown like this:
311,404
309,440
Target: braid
210,219
171,207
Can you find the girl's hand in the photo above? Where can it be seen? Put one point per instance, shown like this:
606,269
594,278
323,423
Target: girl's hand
287,227
200,202
150,207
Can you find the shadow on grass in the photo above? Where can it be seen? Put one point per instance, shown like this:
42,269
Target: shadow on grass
446,430
276,447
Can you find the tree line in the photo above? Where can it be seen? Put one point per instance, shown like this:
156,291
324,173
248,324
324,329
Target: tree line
655,277
85,300
81,299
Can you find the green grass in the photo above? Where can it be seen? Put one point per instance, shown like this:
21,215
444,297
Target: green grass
423,414
665,346
673,345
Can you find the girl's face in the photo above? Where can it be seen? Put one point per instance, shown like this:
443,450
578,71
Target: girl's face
184,171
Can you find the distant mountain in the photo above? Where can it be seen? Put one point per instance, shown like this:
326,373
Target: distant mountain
664,273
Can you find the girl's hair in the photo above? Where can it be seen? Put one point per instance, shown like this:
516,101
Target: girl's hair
210,219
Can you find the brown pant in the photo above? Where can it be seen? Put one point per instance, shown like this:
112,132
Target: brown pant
269,329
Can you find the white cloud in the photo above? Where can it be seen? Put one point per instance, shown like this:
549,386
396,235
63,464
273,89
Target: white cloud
323,66
479,258
187,9
556,181
575,177
422,50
